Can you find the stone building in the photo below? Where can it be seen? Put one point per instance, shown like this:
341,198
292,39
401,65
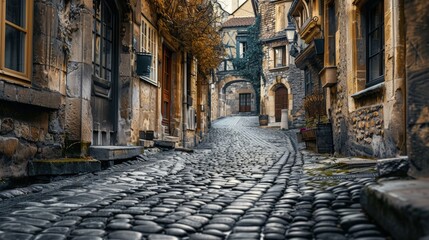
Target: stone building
282,85
363,69
69,86
231,93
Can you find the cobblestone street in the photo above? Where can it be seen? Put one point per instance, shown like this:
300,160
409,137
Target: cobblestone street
242,182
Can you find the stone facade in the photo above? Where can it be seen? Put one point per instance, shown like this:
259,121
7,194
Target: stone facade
368,122
368,119
54,113
273,23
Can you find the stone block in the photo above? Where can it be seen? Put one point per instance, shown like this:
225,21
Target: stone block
73,118
63,166
146,143
8,146
393,167
165,144
400,207
107,153
7,126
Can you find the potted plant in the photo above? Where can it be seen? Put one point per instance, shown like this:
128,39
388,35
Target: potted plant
318,132
263,120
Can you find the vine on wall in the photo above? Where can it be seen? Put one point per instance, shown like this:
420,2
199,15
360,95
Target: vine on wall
250,65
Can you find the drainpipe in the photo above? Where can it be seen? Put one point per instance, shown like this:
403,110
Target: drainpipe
185,99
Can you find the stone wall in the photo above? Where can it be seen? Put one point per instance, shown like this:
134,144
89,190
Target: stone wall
417,72
32,115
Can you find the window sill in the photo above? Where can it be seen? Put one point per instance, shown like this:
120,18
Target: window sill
26,95
279,68
369,91
149,81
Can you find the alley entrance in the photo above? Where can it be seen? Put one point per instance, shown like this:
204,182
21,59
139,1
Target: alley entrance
104,79
281,101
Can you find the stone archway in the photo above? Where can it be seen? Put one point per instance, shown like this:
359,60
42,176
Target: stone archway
231,92
270,100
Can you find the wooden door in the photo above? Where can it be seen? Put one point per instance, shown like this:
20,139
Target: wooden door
105,73
245,102
166,87
281,102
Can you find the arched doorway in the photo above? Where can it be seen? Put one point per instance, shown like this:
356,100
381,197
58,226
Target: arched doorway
104,101
281,101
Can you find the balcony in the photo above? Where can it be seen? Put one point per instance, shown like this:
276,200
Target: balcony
328,76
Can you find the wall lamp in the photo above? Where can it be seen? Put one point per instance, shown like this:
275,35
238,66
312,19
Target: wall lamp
291,38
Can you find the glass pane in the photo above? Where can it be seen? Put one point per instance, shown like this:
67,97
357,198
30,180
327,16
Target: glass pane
376,16
15,49
97,50
374,42
108,52
15,12
374,67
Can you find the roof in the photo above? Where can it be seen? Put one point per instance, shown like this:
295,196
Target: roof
239,22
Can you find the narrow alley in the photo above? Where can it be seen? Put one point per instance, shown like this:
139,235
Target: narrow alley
242,182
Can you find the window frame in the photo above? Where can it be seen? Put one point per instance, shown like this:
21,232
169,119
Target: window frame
148,40
381,49
7,73
283,55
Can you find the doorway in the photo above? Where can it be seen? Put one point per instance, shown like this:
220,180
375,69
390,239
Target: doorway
104,102
281,101
245,102
166,87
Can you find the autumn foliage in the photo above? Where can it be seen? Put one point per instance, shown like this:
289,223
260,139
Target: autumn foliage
193,24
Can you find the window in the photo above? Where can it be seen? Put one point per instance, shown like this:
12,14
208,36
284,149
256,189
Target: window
280,56
149,43
375,43
15,32
102,55
308,82
243,49
332,29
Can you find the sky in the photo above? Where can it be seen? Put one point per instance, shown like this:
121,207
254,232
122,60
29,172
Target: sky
226,4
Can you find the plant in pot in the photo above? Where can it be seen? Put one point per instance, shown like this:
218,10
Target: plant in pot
318,132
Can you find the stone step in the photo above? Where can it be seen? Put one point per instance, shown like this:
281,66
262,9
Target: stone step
63,166
171,138
165,144
109,153
401,207
146,143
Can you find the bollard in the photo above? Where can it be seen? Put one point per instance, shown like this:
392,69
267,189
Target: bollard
284,120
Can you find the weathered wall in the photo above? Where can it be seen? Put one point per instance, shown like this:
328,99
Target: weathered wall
369,123
32,116
417,72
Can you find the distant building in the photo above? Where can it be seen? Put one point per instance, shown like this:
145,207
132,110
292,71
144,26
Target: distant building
282,85
231,93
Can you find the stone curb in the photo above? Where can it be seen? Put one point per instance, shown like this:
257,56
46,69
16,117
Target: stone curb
401,207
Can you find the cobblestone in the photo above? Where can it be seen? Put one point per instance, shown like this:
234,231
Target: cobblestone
242,182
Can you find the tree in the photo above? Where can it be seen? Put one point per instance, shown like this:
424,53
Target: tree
192,23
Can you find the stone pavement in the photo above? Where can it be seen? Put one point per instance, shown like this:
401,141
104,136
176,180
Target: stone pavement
242,182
